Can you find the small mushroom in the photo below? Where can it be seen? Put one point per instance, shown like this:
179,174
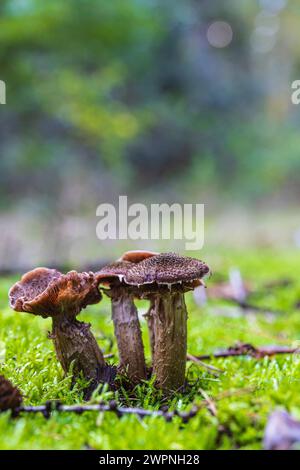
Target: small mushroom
164,279
49,293
125,319
136,256
10,396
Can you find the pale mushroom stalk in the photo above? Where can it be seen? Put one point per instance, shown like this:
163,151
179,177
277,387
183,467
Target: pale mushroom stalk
170,333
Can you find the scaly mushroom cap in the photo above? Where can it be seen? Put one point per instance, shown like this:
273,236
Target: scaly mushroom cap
167,268
47,292
10,396
112,272
117,270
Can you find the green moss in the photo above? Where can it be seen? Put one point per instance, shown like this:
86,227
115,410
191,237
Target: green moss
244,393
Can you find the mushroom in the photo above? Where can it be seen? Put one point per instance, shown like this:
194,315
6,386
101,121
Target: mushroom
124,313
125,319
10,396
164,279
49,293
136,256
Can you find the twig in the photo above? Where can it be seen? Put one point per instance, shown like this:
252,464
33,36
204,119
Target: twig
278,283
112,406
248,350
212,369
249,306
50,407
210,404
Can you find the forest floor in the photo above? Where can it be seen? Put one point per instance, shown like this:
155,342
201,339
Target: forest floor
236,399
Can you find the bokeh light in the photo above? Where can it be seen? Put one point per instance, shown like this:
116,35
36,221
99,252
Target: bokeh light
219,34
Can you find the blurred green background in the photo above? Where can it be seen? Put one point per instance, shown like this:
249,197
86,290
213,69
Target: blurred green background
186,101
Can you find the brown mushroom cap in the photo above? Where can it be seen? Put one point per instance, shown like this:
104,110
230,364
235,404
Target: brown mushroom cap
119,268
47,292
136,256
113,272
166,268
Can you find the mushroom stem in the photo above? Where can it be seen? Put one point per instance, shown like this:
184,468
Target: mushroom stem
129,337
75,345
150,317
170,341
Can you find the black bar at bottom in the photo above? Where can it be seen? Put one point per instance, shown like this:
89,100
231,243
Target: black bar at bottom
134,458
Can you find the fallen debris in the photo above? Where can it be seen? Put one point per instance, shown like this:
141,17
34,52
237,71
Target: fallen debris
282,432
235,289
247,349
238,292
11,399
10,396
213,370
211,406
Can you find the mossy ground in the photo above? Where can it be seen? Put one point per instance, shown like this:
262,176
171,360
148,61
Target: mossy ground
245,393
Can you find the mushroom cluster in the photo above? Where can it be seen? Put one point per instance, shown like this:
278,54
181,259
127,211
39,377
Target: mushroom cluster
163,279
160,278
